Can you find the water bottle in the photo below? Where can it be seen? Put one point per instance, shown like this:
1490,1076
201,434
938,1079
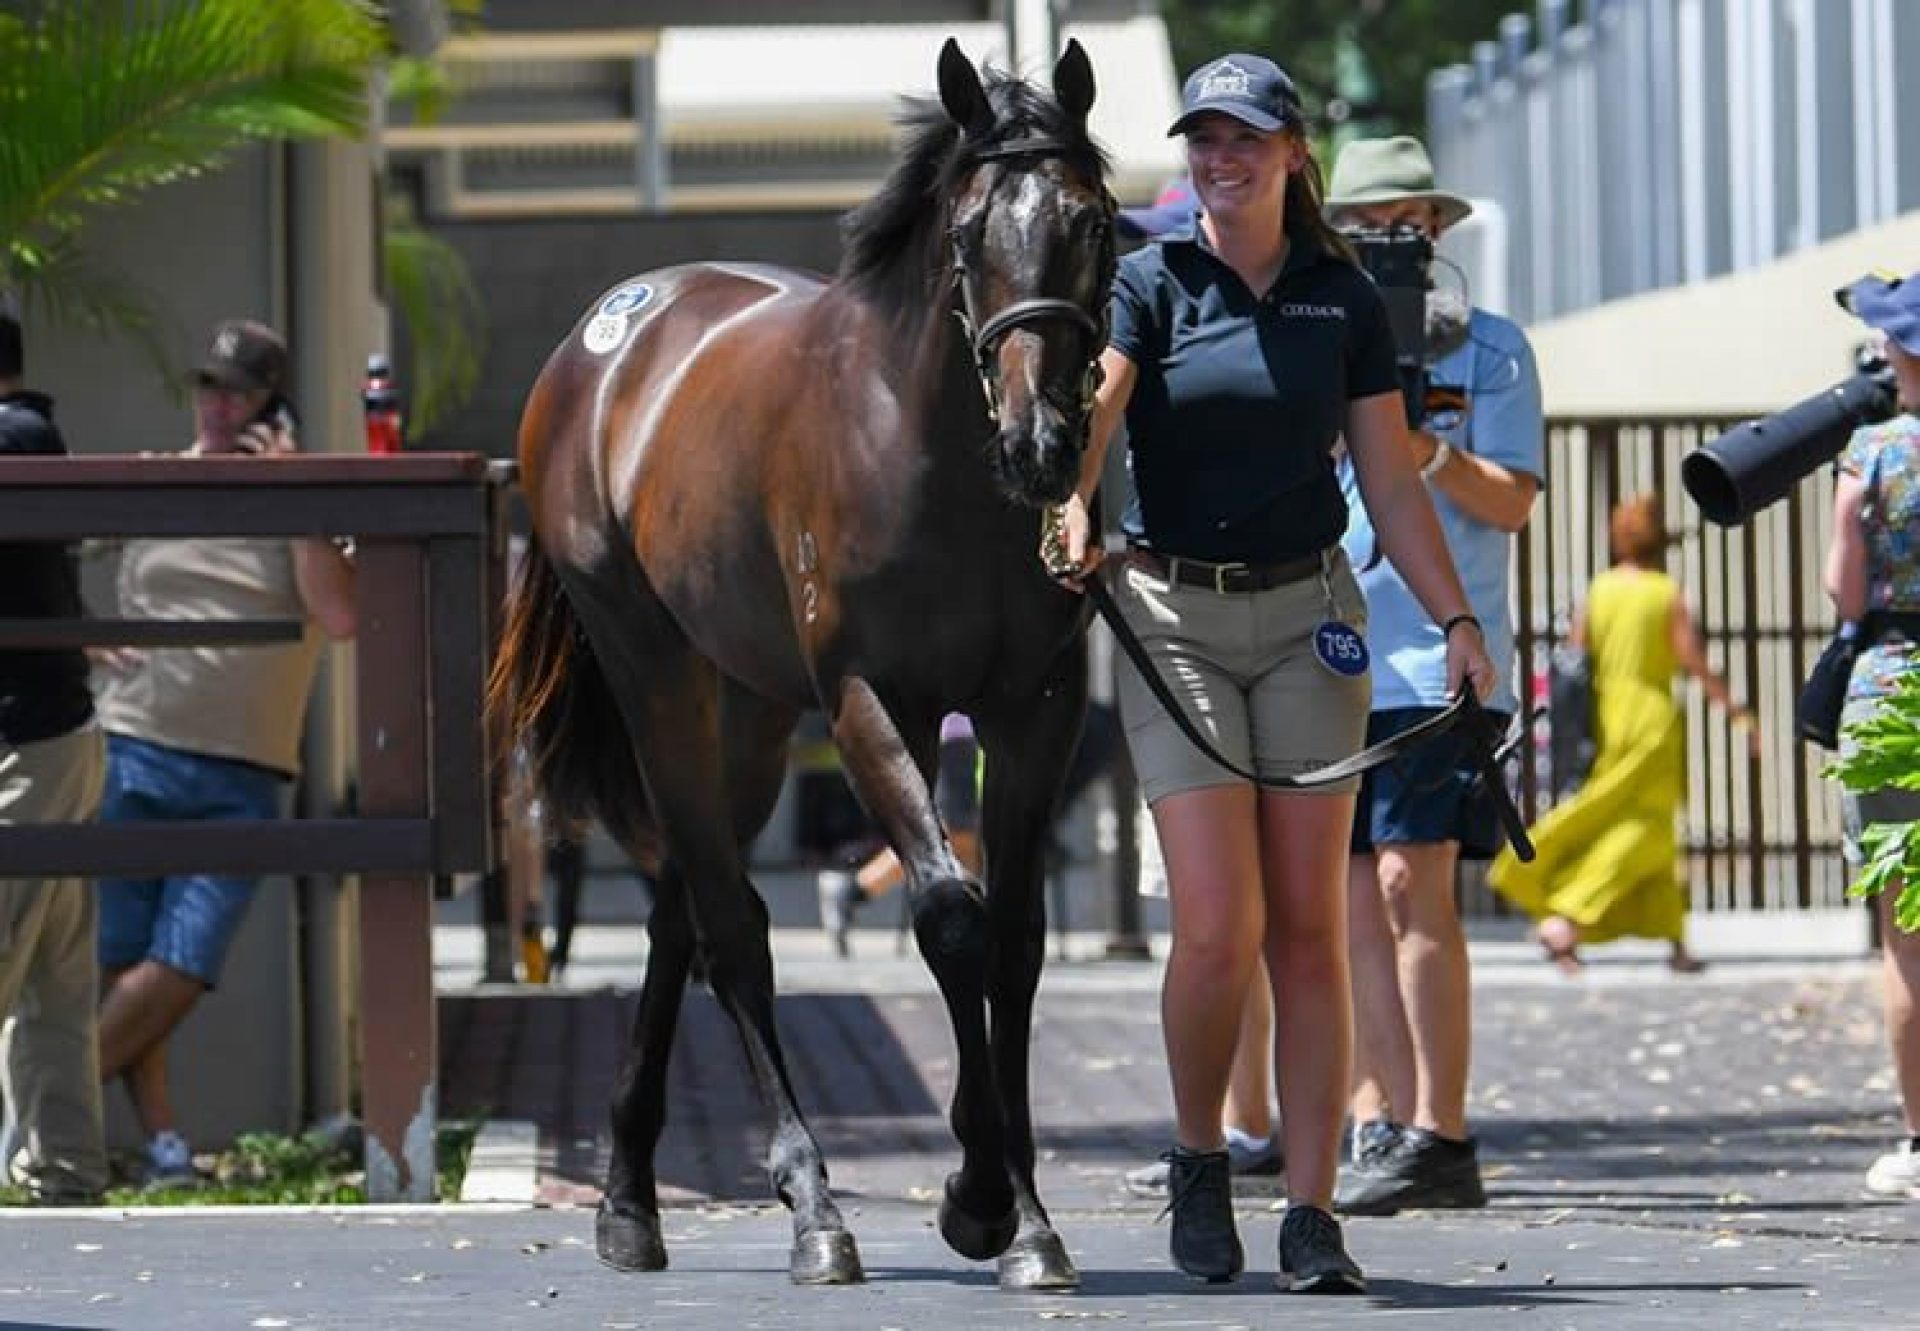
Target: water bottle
381,401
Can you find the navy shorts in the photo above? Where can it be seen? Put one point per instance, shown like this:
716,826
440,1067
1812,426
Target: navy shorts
1427,796
185,921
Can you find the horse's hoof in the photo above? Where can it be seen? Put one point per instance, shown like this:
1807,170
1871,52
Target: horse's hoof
1038,1261
629,1242
825,1257
973,1238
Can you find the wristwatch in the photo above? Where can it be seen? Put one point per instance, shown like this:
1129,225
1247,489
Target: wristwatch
1441,452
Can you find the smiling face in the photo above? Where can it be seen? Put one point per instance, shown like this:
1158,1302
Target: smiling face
1240,173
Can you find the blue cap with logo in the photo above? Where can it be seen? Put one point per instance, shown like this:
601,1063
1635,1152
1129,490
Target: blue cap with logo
1888,303
1250,88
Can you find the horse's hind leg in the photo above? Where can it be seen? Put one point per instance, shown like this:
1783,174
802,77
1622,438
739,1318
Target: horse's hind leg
1027,758
626,1230
673,704
977,1217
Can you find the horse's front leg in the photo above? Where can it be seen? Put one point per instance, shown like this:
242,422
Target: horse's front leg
1028,751
890,775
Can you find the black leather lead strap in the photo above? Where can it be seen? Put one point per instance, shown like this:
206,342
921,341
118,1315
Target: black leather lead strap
1464,712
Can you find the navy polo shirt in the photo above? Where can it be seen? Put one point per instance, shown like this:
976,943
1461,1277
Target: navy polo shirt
1241,398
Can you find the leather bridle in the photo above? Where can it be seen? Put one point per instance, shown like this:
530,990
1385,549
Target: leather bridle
984,335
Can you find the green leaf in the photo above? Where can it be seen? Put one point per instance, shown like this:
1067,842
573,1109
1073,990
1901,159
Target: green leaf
103,100
434,297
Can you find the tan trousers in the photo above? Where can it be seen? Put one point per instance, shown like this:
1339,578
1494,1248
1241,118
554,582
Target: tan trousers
50,982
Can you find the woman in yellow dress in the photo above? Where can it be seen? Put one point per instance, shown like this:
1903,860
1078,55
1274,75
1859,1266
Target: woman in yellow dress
1608,858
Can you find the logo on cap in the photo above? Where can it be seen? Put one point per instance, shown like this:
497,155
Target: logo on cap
1226,79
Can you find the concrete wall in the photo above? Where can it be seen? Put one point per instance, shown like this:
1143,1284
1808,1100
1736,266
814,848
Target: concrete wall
1750,342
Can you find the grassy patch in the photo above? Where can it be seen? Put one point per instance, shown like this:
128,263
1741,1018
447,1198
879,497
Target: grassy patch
265,1168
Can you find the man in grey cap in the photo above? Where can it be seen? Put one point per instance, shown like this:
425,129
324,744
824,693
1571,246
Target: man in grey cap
1480,448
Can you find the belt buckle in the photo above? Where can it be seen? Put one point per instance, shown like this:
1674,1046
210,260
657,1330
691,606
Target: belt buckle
1221,572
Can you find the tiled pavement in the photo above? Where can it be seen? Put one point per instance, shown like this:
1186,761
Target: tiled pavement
1749,1099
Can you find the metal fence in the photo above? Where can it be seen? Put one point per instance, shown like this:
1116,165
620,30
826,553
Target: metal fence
1758,833
1661,142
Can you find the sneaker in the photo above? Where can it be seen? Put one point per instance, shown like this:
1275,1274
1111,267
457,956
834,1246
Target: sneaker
1254,1157
1421,1170
1204,1242
840,897
1897,1173
1313,1255
1373,1138
169,1162
1247,1157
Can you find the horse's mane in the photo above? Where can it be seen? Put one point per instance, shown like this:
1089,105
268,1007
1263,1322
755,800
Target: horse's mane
893,236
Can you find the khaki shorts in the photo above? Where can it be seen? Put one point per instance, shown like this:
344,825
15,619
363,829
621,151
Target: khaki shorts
1244,666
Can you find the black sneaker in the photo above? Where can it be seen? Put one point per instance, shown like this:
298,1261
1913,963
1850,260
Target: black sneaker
1204,1242
1313,1255
1422,1170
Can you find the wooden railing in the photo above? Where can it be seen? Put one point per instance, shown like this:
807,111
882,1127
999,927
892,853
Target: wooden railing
421,524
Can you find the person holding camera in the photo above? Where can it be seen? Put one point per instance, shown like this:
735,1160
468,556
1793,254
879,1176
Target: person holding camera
1479,445
52,761
210,732
1873,577
1243,348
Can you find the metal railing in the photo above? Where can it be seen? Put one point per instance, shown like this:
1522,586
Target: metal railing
1662,142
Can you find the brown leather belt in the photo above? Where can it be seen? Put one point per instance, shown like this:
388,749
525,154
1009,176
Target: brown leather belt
1226,579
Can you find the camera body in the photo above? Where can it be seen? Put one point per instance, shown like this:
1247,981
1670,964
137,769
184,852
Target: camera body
1758,462
1399,259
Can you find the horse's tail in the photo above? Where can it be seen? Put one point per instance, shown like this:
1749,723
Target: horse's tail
548,696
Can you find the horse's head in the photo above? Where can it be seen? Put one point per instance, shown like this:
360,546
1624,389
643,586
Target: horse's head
1031,226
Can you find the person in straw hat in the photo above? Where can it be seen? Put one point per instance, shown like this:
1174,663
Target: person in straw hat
1480,449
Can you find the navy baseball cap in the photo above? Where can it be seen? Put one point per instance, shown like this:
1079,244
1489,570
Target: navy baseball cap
1250,88
245,355
1888,303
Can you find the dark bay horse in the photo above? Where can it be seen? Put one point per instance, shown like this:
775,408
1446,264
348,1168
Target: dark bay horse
755,491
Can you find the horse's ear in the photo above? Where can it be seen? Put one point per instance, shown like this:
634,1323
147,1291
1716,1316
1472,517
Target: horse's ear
1073,80
960,90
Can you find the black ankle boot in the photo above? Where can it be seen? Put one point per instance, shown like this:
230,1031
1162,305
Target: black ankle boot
1204,1242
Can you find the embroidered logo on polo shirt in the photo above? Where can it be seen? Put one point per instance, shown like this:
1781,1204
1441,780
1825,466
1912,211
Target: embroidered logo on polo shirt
1296,309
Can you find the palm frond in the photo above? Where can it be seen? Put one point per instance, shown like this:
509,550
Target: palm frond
102,99
61,283
434,297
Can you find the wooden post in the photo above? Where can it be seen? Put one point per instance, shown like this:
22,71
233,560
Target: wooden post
398,1044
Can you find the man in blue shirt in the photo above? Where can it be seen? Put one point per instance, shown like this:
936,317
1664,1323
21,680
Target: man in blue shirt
1482,458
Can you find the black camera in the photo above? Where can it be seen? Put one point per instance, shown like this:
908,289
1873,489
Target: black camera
1758,462
1399,259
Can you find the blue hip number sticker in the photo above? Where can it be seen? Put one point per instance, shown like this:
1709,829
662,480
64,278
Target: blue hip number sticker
1340,649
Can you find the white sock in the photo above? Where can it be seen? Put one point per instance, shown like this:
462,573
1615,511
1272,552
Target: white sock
1245,1143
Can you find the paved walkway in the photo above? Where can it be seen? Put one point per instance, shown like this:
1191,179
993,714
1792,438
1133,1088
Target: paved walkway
1662,1152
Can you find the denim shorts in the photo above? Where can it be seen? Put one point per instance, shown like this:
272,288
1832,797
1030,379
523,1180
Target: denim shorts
1427,795
186,921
